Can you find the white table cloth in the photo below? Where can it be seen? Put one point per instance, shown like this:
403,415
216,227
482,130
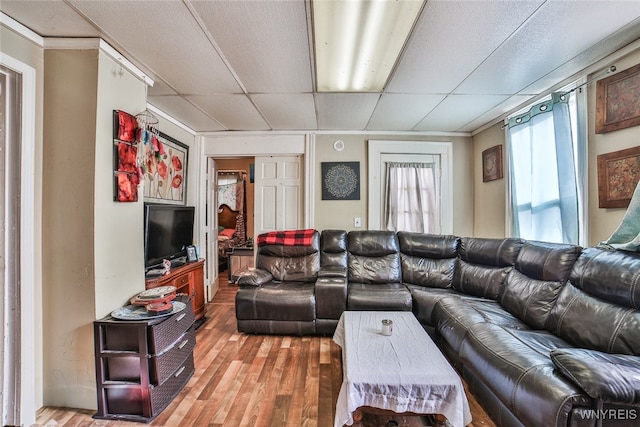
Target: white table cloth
404,372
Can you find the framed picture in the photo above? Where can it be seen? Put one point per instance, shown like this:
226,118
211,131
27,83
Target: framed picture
192,255
165,170
618,175
492,163
618,101
341,181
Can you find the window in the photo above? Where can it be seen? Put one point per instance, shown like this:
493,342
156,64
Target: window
412,197
544,166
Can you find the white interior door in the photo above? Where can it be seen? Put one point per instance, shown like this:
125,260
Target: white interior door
278,193
211,229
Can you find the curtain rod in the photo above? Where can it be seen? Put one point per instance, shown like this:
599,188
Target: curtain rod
609,70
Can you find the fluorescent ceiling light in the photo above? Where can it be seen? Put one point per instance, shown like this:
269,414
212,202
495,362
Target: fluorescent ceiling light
357,42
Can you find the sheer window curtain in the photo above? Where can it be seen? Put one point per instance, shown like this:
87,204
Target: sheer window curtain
412,202
544,193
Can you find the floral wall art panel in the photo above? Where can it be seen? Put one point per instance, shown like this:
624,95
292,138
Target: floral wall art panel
126,176
164,172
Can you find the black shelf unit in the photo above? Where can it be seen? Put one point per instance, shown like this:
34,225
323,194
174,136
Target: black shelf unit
141,365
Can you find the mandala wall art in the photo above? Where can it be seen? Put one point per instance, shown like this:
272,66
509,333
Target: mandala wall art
341,181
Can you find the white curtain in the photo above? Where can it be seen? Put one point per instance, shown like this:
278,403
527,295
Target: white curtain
412,202
544,194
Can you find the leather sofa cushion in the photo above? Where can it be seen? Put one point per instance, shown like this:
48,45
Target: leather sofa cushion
254,277
378,269
547,261
608,377
428,245
490,252
277,301
592,323
521,377
528,299
333,248
378,297
610,275
484,264
479,280
433,273
291,269
372,243
424,300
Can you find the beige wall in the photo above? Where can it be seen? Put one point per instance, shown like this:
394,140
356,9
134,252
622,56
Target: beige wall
92,246
490,200
332,214
27,52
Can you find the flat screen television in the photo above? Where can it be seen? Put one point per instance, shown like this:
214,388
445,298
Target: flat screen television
168,230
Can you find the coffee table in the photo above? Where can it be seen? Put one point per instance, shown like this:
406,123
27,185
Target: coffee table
404,372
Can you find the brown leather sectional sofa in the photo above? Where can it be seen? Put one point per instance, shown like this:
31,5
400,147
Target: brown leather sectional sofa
544,334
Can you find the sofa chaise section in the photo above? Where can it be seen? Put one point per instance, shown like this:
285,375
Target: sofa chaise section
278,297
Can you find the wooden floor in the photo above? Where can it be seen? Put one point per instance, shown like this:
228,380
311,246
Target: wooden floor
253,380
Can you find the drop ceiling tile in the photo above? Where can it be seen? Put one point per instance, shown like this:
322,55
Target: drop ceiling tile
402,111
451,39
186,113
288,111
49,18
160,88
456,110
558,32
235,112
501,110
265,42
164,36
345,111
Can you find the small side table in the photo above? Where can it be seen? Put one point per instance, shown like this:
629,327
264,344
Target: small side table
239,257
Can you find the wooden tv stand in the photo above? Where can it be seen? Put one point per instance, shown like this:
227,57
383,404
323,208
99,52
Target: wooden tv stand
189,280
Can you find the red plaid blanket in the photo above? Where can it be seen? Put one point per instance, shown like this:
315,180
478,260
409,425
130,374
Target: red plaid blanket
287,238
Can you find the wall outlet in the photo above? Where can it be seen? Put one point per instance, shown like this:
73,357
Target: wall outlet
357,222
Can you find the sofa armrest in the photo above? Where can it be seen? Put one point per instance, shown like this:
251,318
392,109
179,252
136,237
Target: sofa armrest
253,278
611,378
333,271
331,297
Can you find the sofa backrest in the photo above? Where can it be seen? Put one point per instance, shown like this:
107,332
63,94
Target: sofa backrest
428,259
599,308
374,257
290,255
532,286
483,265
333,248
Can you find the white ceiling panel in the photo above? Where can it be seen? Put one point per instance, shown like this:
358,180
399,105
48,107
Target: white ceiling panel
288,111
249,64
500,110
402,111
347,111
264,41
55,19
452,39
235,112
164,36
453,113
546,42
185,112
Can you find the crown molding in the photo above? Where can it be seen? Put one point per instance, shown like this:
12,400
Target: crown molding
14,25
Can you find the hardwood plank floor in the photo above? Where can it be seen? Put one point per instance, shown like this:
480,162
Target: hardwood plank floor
253,380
